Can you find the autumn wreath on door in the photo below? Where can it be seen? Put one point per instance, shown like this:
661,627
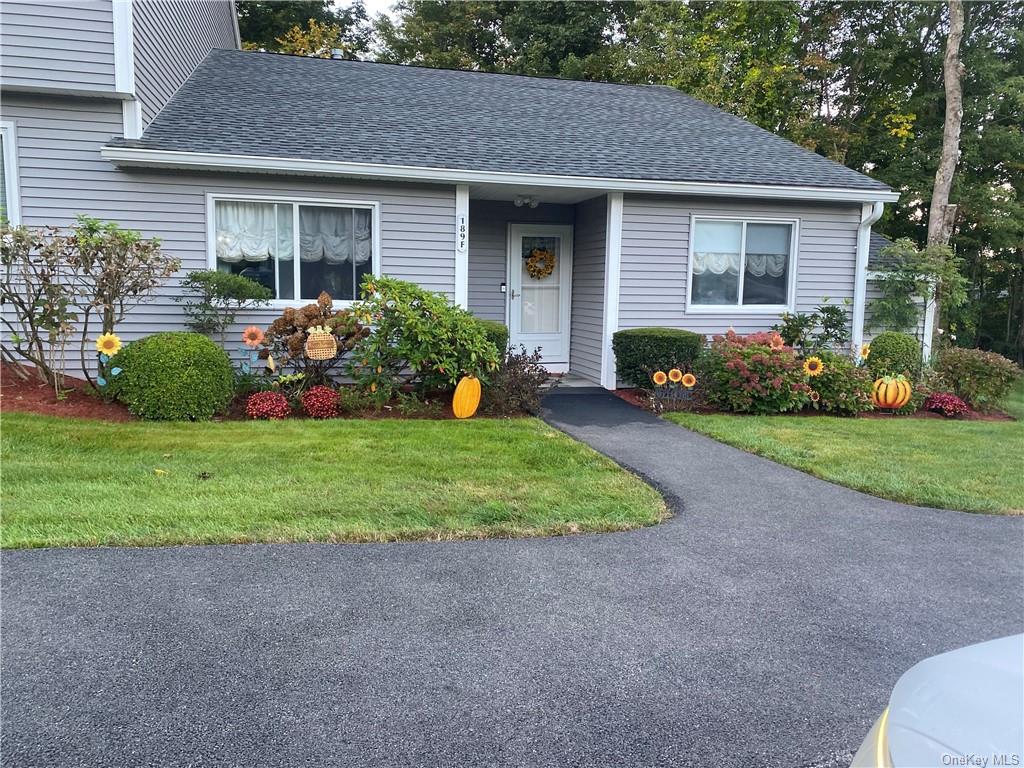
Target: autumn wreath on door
540,263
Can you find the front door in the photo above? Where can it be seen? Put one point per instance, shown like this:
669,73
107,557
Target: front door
540,277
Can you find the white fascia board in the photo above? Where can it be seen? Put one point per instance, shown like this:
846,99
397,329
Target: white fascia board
252,163
870,213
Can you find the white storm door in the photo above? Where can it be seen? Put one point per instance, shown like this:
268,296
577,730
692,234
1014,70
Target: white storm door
538,307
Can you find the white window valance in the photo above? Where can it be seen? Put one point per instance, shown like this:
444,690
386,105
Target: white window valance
253,231
716,263
336,235
761,264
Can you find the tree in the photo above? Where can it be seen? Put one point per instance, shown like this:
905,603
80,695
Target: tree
316,39
278,25
940,213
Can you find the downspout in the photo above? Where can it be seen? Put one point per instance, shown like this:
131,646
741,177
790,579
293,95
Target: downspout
869,214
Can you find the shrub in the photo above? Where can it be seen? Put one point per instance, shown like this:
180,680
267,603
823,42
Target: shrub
827,327
217,298
354,401
517,386
267,405
755,374
174,377
841,387
639,352
981,378
418,338
894,354
497,333
320,402
948,405
286,338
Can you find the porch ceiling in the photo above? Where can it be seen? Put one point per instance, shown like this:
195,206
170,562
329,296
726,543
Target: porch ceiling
565,195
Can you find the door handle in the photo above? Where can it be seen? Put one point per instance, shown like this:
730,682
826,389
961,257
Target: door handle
514,294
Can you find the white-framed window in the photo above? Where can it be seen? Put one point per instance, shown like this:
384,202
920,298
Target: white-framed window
10,202
741,264
337,243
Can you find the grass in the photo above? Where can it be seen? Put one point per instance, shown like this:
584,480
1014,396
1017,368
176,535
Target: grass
86,483
974,466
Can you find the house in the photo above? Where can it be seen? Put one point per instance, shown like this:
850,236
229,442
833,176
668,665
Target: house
566,209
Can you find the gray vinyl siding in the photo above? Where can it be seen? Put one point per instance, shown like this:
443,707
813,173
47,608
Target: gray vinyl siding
171,38
67,45
488,247
655,245
587,323
869,333
62,174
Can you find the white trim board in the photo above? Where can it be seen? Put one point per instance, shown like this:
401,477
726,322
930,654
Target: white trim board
124,67
10,150
211,234
215,161
462,245
612,287
869,214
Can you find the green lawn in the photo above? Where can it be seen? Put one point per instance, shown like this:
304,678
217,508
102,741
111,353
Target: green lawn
83,483
972,466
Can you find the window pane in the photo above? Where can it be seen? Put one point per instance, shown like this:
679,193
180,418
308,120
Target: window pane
336,250
540,308
716,262
255,240
766,278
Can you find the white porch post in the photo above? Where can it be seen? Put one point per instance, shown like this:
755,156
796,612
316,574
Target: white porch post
869,214
462,245
612,265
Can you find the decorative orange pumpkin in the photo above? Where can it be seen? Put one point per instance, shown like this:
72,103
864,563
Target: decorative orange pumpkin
892,392
467,397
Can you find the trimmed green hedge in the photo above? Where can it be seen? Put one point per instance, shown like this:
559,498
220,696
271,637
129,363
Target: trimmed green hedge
641,351
174,377
497,333
893,354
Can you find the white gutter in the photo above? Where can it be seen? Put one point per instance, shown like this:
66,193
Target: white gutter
869,214
131,156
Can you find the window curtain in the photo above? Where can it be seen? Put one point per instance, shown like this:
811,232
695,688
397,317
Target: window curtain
767,249
253,231
716,247
335,235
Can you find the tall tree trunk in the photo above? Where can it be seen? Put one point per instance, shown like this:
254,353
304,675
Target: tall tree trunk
941,214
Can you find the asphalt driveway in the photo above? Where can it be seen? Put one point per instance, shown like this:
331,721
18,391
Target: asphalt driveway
763,625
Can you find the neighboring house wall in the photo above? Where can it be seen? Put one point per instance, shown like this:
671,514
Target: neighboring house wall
587,324
67,45
870,333
171,38
62,175
655,246
488,248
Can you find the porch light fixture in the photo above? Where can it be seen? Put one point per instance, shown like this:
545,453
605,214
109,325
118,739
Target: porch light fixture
522,200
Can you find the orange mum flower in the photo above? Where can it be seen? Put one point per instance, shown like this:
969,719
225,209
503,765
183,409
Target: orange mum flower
659,378
777,342
689,380
252,336
675,375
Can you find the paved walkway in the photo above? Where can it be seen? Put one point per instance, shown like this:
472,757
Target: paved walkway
762,626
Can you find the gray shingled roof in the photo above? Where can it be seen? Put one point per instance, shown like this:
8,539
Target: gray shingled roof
875,258
247,103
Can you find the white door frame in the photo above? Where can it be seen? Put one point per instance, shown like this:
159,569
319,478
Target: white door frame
515,232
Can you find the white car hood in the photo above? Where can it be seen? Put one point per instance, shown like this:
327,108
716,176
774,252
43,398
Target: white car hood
965,707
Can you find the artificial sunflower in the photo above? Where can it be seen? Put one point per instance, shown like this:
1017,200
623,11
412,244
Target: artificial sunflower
813,366
689,380
659,378
252,336
675,375
815,397
865,350
108,344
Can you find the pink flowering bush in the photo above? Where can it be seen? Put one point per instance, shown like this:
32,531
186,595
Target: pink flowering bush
267,405
948,405
757,373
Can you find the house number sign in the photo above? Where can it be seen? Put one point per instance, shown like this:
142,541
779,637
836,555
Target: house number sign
462,233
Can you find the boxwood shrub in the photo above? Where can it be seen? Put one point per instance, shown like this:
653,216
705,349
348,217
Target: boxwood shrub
641,351
174,377
497,332
892,354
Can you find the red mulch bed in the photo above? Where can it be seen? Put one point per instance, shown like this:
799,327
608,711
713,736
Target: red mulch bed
641,399
30,396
